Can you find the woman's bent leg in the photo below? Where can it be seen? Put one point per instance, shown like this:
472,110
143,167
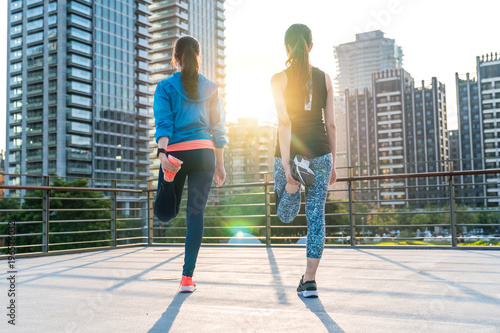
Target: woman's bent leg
199,183
287,204
169,195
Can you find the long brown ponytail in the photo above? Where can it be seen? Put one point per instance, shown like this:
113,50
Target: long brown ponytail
187,56
298,40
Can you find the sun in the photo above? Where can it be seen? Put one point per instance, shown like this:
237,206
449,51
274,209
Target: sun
249,93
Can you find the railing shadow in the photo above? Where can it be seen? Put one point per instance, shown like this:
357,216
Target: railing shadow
316,306
280,290
471,292
79,266
164,324
134,277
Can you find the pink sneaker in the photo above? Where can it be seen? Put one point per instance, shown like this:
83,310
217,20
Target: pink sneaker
187,285
169,176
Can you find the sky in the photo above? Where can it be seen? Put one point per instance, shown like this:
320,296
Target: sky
438,39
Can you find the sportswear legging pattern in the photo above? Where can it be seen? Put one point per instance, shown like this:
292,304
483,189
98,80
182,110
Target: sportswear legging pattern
288,204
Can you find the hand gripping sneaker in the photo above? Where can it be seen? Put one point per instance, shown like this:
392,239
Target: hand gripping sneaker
187,285
307,289
301,171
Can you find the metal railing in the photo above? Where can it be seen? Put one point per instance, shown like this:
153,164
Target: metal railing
245,214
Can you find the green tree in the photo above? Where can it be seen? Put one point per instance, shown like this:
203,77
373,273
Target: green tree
29,220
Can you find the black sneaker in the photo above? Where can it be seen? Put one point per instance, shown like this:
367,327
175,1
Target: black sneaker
301,171
307,289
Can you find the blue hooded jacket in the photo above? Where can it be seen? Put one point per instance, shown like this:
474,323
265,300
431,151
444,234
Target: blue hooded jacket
184,119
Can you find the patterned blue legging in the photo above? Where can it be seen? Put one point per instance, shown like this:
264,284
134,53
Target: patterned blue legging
288,204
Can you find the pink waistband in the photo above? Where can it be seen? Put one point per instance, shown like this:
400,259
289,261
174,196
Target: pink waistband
191,145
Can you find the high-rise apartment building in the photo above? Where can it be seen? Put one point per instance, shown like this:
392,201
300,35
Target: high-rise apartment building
370,53
399,128
478,102
340,188
250,150
78,89
469,141
171,19
454,147
2,172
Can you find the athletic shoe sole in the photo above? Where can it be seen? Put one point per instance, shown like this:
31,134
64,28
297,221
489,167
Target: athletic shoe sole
308,293
187,289
301,171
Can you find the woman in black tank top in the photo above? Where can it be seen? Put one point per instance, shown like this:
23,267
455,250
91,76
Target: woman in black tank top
306,146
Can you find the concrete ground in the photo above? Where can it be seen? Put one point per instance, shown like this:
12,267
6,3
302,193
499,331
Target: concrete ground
253,290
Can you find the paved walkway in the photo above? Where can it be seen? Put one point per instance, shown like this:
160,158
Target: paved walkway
253,290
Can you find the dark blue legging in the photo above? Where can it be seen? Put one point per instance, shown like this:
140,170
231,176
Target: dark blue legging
198,167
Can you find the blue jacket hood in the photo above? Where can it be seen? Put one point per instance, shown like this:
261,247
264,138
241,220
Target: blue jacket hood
206,88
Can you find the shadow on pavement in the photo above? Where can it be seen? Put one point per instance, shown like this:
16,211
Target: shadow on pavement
452,284
280,290
316,306
164,324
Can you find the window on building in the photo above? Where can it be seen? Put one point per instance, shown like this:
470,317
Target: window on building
78,20
36,24
17,29
35,12
16,17
33,38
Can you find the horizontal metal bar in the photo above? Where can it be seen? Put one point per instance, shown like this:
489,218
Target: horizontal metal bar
129,229
80,242
224,217
21,210
423,186
70,189
477,211
70,221
24,235
369,226
400,200
396,213
22,222
66,198
128,238
78,232
242,205
17,246
212,227
401,225
131,199
478,224
79,209
128,219
18,198
423,175
182,237
129,209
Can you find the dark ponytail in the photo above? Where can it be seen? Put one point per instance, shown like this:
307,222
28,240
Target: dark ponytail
187,56
298,40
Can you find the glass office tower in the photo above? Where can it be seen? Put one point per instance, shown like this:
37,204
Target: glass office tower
78,90
171,19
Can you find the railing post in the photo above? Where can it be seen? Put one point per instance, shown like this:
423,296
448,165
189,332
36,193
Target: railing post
113,215
453,222
46,215
150,214
352,222
268,209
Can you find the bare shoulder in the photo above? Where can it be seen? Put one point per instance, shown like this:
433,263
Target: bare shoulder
328,82
279,79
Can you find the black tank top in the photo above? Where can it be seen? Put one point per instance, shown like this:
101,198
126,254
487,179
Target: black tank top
308,128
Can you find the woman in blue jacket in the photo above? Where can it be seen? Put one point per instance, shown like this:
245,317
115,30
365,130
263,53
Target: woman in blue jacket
189,119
